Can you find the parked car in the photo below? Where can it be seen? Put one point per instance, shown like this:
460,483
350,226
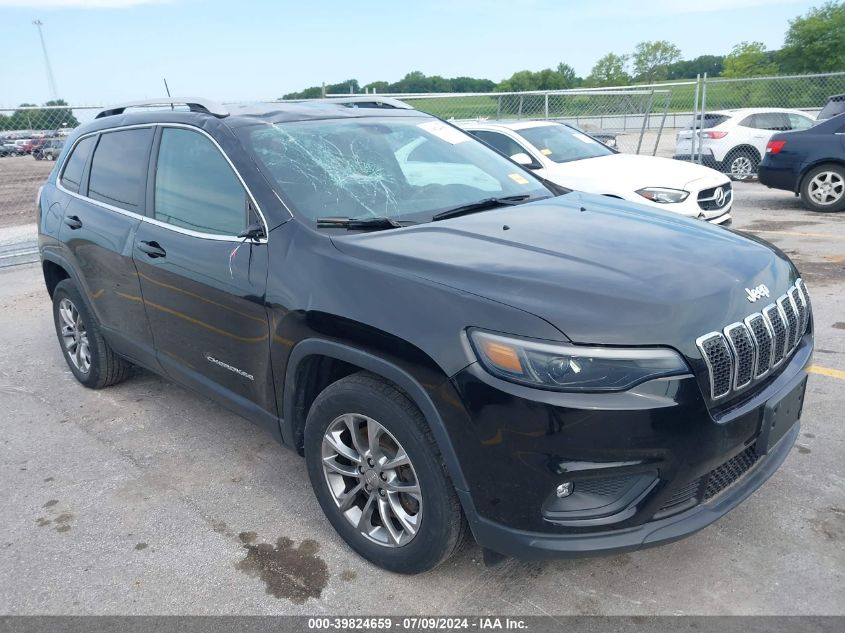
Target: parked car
571,158
734,141
20,145
8,149
559,372
810,163
49,150
835,105
32,144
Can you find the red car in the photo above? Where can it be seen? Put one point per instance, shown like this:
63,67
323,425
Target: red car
33,144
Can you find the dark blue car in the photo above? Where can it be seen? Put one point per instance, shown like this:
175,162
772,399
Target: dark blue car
810,163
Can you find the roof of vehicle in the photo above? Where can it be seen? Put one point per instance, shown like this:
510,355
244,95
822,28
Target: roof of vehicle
745,111
510,125
202,112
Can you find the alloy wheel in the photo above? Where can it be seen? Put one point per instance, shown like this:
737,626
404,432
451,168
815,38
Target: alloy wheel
372,480
74,336
826,188
742,168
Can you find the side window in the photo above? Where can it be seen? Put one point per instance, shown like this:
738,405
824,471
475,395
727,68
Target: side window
748,121
75,164
499,142
195,186
777,121
119,168
798,122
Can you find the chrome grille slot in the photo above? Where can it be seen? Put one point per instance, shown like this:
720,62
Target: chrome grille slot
777,323
719,362
801,308
744,354
785,306
763,337
748,350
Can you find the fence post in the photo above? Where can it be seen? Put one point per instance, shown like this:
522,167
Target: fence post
521,98
701,115
499,107
547,106
645,120
694,119
662,121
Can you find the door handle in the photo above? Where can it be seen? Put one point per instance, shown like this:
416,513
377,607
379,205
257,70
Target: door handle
152,249
73,222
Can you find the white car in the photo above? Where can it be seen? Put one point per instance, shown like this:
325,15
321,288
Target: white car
734,141
568,157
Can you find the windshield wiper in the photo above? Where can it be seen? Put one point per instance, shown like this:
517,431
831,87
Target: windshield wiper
481,205
359,224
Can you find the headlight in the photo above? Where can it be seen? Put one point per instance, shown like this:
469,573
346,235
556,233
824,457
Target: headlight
663,195
572,367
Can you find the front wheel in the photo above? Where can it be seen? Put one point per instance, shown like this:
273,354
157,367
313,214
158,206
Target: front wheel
823,188
379,477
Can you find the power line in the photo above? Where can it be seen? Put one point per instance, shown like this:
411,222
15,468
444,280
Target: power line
54,93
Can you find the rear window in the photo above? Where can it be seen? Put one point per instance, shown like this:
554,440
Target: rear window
709,120
75,164
835,106
119,168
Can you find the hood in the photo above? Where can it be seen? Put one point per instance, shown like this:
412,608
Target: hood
630,172
600,270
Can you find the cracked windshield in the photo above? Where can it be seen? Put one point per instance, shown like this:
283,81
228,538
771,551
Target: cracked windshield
406,169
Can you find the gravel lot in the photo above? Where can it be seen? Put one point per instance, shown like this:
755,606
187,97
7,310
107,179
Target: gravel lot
20,177
146,499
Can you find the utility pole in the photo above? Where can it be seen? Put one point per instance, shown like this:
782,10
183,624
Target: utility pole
54,93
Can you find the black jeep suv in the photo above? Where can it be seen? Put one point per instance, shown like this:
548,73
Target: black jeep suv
449,342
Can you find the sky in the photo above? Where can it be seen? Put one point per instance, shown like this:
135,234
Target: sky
107,51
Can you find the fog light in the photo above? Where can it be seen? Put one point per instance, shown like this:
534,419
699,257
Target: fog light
564,489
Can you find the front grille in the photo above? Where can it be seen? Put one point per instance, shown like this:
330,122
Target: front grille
608,487
714,482
720,478
682,495
743,352
715,198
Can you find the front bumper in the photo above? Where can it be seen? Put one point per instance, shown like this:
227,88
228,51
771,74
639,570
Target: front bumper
665,437
536,545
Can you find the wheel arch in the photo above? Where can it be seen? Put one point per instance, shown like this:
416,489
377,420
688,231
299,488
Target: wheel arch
839,162
357,359
744,147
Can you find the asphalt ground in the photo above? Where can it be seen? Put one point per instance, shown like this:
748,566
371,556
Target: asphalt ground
147,499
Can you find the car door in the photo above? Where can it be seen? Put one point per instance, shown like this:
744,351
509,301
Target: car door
104,178
203,286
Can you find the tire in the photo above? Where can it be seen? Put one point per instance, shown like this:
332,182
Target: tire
365,402
823,188
77,331
741,164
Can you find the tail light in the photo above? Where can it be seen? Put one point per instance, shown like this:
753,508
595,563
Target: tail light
714,134
774,147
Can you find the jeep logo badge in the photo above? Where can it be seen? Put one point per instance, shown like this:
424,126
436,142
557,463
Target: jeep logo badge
756,293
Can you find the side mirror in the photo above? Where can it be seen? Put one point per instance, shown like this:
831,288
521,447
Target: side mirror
253,232
523,159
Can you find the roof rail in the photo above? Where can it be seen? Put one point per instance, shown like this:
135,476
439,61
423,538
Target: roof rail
195,104
368,101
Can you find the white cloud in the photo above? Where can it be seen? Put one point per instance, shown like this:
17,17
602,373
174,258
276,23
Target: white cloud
76,4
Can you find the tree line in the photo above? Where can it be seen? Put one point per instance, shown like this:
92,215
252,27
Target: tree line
32,117
814,43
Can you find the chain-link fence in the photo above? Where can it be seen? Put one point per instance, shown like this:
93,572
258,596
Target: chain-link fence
669,119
